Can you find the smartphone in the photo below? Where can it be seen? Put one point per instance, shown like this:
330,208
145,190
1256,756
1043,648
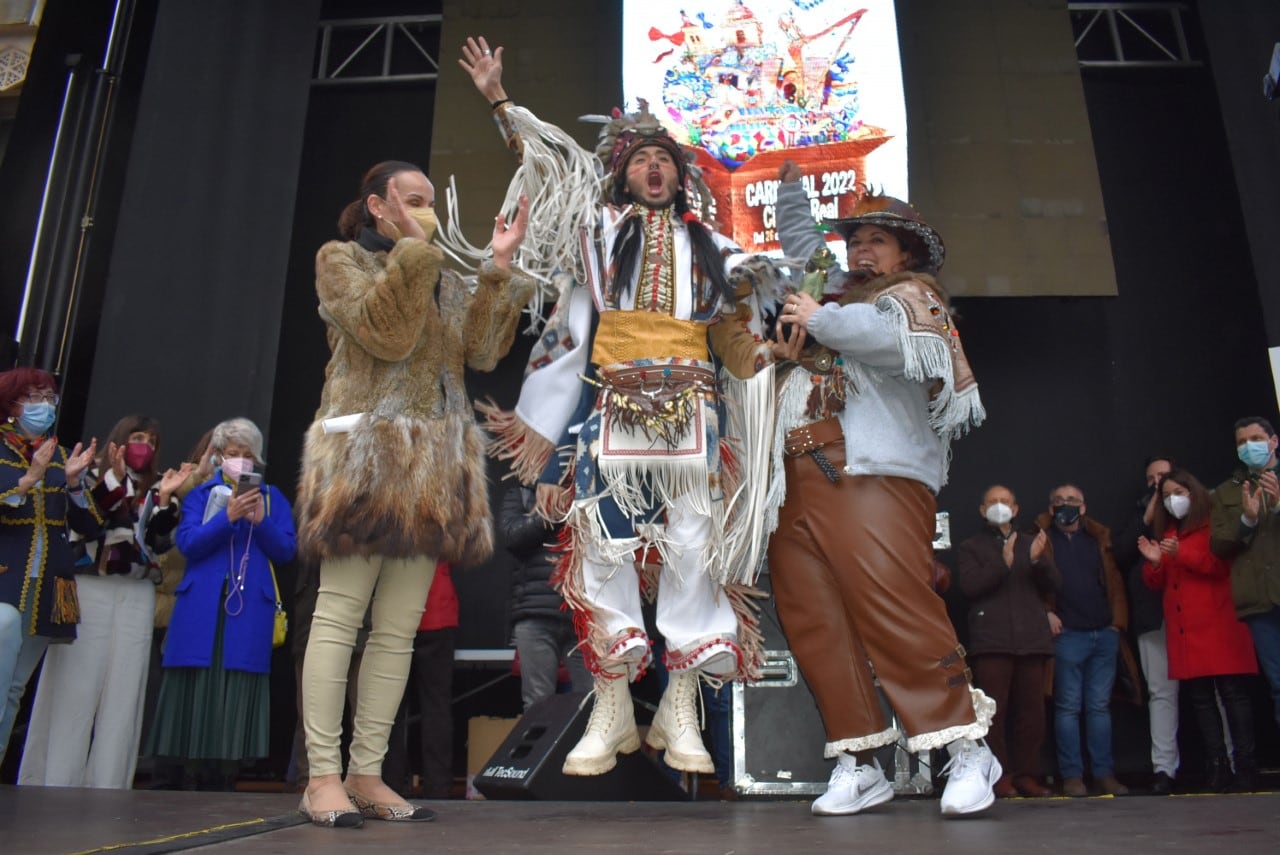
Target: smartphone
248,481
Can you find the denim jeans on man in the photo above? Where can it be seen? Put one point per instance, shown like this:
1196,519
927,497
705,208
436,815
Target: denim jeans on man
1084,672
1265,629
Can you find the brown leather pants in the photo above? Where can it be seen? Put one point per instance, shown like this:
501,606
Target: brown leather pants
852,573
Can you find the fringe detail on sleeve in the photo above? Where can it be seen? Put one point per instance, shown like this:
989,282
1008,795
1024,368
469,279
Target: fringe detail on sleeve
562,181
933,354
510,439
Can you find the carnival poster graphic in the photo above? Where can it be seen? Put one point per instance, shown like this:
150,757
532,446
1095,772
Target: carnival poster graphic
747,84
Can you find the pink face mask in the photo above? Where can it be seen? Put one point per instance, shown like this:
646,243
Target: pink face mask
138,455
234,467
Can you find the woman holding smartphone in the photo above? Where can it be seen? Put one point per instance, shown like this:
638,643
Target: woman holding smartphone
215,693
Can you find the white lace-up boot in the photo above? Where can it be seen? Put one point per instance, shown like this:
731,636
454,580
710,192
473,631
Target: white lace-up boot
610,730
971,773
853,788
675,728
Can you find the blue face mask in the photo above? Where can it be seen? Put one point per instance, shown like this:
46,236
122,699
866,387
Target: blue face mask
37,418
1254,453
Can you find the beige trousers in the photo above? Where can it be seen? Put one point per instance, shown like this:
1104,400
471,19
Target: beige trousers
398,589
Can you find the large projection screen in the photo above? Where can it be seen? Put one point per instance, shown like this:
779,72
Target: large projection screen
747,86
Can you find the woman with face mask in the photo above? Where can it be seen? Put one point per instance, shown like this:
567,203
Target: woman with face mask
87,719
214,706
1008,577
402,482
1210,650
42,495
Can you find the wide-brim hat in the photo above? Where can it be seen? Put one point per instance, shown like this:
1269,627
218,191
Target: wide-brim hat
888,212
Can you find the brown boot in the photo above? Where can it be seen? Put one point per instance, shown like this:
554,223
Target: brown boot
1075,788
1109,785
1029,786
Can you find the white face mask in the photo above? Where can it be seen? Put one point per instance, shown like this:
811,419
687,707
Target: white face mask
1177,505
998,513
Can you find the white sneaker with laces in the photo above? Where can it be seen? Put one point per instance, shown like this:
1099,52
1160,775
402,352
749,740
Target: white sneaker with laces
853,788
971,773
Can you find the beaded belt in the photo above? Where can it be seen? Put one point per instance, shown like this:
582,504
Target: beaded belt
810,439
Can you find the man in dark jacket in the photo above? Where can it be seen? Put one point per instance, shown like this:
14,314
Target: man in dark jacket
1146,622
1089,616
1010,581
540,625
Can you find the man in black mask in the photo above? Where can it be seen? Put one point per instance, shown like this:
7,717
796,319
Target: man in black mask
1088,619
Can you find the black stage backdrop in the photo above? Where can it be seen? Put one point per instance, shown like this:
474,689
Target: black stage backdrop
190,321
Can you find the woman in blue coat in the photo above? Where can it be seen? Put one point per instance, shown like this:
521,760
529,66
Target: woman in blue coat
215,693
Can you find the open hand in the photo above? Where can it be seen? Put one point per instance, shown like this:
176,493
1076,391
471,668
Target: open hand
485,67
507,237
1008,549
1150,550
398,213
1251,501
172,480
80,460
115,459
1038,545
1270,486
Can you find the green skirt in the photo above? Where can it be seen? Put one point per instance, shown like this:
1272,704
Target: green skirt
212,713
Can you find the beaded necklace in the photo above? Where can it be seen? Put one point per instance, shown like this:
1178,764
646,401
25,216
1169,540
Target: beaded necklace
656,291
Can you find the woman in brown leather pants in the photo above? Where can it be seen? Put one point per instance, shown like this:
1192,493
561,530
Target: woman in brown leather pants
873,388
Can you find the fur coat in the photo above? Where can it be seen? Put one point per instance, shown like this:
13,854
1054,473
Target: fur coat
409,480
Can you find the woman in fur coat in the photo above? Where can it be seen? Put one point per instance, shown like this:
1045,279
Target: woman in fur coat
401,483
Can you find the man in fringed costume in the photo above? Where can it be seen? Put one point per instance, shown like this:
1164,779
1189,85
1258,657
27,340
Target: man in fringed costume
658,302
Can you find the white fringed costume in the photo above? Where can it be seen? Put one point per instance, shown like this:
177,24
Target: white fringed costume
658,503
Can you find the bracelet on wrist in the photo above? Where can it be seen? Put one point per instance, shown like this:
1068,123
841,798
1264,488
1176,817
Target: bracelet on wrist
496,104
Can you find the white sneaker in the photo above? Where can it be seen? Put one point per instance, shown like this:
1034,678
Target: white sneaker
853,788
971,773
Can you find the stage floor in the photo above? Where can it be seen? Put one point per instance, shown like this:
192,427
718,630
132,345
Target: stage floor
35,820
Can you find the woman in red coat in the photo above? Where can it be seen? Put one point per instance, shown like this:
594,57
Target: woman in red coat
1209,648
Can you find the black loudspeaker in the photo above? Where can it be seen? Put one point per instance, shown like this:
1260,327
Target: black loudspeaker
527,765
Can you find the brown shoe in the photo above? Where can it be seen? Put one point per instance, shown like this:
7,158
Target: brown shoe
1004,788
1075,788
1029,786
1111,786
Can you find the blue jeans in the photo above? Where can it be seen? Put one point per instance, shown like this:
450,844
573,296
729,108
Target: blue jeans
1084,672
19,655
1265,629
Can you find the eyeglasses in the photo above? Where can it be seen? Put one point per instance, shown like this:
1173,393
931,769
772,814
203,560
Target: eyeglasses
38,397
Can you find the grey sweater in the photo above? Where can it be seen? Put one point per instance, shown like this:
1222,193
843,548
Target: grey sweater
886,419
